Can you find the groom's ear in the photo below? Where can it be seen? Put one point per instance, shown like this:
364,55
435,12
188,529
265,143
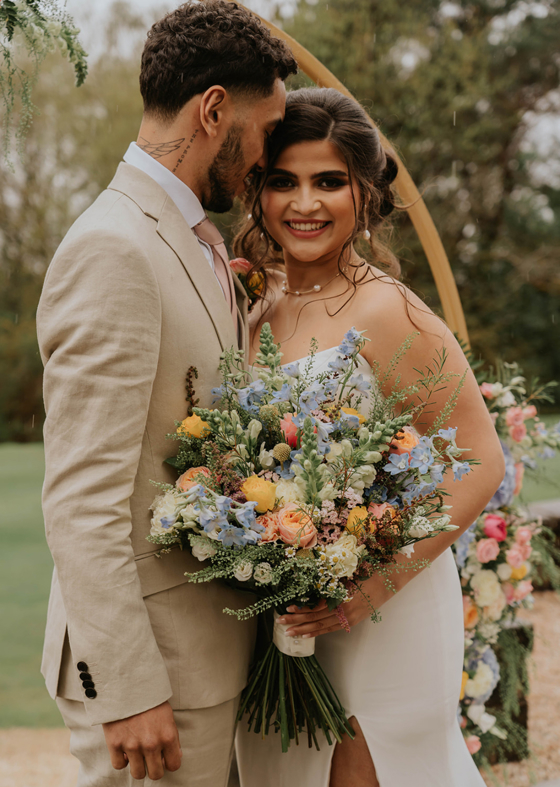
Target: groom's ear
216,111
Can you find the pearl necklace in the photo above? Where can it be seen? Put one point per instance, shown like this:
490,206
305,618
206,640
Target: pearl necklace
316,288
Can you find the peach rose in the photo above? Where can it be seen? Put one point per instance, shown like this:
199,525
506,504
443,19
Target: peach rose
519,473
514,416
404,441
296,527
240,265
518,432
261,491
470,614
473,743
529,412
290,430
187,480
193,426
487,390
270,523
523,535
487,549
495,527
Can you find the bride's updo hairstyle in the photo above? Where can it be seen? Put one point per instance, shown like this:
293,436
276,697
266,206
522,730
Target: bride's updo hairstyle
315,115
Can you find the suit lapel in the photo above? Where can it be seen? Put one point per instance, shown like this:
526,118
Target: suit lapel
174,230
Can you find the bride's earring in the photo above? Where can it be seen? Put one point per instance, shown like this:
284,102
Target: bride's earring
367,234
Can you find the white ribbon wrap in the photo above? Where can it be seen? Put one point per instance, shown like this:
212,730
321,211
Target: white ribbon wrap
291,646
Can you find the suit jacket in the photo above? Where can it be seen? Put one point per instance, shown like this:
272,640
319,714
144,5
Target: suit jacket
128,305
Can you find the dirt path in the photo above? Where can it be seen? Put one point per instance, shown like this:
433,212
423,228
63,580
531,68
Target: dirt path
40,758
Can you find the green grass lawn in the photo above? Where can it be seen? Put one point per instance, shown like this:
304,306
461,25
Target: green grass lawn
25,573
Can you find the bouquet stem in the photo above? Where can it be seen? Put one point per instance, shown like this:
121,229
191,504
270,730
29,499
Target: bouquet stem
292,693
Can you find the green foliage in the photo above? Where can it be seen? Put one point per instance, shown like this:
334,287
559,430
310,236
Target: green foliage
455,96
310,462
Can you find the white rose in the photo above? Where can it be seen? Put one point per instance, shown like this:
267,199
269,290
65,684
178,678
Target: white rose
343,555
494,610
504,571
243,571
486,587
481,683
164,507
477,713
290,491
263,573
202,550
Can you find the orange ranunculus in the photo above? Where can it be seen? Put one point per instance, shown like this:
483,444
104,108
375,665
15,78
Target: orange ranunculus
404,441
470,613
187,480
357,521
255,283
296,527
194,426
261,491
351,411
270,523
464,680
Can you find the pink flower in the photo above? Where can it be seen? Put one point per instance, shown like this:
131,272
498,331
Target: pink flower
523,535
514,416
290,429
515,556
523,590
487,390
494,417
463,722
495,527
270,523
519,473
509,592
526,550
378,509
487,549
240,265
529,412
518,432
473,743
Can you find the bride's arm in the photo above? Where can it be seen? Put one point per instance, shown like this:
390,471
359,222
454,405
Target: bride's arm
389,324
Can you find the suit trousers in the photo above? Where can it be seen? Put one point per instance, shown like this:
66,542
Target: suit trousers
206,736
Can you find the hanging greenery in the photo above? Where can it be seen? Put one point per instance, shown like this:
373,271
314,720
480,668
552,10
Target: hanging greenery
29,30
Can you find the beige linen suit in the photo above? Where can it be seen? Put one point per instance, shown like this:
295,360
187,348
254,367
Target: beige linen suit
129,304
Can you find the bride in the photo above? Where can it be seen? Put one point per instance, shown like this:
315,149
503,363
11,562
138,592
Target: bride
327,184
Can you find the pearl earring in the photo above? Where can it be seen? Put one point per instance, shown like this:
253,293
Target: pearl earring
249,216
367,234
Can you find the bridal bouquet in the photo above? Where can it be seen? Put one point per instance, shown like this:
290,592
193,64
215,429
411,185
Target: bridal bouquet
286,490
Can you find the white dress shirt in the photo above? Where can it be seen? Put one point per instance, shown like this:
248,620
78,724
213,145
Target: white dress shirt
184,198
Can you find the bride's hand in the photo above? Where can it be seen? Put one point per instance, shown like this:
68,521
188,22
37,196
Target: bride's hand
306,622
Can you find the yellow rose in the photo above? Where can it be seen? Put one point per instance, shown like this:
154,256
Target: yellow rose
351,411
463,684
194,426
261,491
357,521
519,573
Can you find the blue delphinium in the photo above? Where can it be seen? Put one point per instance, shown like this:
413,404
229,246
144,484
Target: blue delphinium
292,369
251,395
460,469
504,494
283,395
462,545
398,463
421,455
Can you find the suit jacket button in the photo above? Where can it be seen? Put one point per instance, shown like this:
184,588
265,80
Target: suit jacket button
85,676
82,666
88,684
91,694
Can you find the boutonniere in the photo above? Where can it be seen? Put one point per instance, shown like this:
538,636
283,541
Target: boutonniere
253,283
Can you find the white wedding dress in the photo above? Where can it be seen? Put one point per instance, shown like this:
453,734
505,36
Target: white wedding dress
400,678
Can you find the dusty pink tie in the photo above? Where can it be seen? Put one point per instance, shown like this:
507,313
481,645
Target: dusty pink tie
210,234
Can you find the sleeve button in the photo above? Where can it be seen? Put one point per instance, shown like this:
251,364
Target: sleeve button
91,694
85,676
82,666
88,684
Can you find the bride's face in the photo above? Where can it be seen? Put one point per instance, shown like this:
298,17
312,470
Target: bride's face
307,201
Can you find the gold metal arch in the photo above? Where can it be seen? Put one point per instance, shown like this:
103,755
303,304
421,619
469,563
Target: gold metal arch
418,212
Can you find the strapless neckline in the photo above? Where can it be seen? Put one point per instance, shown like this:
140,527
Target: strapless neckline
322,352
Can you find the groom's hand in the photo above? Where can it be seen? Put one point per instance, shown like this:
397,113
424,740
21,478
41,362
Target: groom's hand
148,741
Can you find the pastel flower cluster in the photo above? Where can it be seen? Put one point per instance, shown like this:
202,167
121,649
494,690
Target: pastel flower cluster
294,489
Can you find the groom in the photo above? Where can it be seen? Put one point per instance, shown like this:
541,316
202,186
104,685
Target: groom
145,667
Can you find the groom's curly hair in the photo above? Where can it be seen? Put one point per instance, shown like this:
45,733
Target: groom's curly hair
210,43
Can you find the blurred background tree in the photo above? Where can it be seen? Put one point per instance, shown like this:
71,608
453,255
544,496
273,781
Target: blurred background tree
464,90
